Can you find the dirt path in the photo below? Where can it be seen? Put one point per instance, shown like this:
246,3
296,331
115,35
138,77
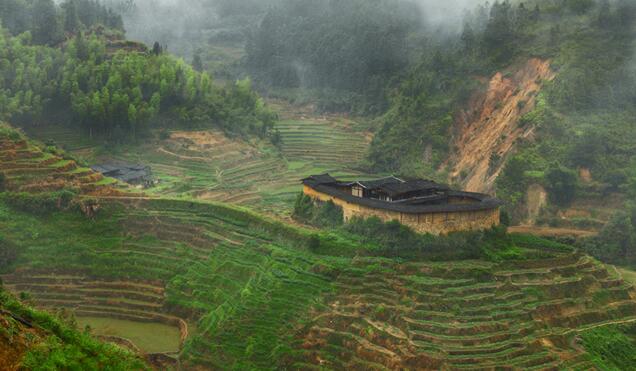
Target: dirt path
551,232
182,157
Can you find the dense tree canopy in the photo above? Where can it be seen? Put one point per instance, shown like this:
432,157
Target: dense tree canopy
116,93
351,45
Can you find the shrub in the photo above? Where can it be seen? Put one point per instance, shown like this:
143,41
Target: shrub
562,184
320,214
39,203
2,182
615,243
314,242
8,254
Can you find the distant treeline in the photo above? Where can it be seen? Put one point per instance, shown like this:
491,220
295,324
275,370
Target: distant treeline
353,46
49,23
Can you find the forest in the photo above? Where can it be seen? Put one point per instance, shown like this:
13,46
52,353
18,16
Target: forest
95,82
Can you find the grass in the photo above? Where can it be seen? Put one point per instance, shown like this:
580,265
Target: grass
49,343
628,274
611,347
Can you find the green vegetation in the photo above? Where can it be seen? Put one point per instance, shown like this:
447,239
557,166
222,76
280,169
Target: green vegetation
392,239
349,50
48,23
611,347
55,345
324,214
258,289
617,240
582,119
115,89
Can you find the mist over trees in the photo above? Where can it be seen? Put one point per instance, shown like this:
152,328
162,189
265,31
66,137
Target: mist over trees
354,45
49,23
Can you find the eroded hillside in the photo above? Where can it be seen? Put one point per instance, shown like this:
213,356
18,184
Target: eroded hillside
487,131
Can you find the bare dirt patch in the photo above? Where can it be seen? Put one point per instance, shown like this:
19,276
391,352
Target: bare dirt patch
488,130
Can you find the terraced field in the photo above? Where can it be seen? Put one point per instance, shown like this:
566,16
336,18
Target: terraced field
171,262
254,297
210,166
28,168
473,315
245,292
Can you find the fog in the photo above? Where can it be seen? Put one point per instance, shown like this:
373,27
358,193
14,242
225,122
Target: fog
178,24
183,25
447,13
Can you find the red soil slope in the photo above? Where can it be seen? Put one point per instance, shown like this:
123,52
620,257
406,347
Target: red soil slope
488,130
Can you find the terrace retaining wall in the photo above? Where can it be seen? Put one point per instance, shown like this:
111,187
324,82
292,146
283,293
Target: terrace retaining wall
433,223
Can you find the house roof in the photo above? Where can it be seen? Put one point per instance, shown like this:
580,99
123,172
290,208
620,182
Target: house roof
396,189
320,179
374,184
482,202
124,172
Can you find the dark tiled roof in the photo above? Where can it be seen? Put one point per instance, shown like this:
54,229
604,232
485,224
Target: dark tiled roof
482,202
396,189
124,172
320,179
374,184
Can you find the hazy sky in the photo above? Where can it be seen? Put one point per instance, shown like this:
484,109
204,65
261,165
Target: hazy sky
448,12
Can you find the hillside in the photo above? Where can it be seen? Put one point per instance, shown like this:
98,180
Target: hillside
489,129
209,273
531,102
221,262
36,340
29,167
210,165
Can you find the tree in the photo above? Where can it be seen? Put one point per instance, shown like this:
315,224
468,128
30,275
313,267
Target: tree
499,35
71,19
604,14
468,38
8,254
157,49
615,243
46,27
197,63
562,184
2,182
580,6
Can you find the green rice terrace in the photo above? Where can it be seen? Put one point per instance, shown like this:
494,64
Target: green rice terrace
228,288
208,165
245,292
28,167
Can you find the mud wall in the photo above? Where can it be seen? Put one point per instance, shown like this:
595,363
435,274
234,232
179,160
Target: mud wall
434,223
